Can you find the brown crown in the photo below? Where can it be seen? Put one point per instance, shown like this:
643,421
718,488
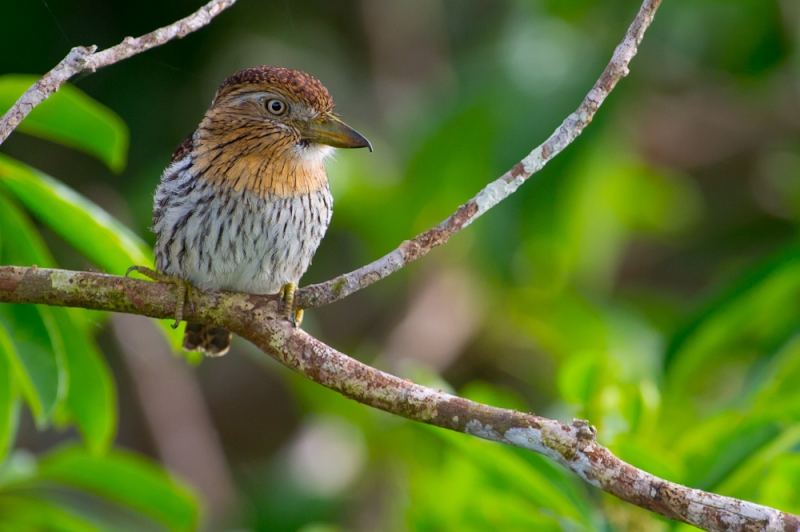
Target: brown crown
299,83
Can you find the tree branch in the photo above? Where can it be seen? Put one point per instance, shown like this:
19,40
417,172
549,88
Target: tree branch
85,59
256,318
410,250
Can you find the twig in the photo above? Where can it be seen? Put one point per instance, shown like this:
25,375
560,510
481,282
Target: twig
256,318
86,59
410,250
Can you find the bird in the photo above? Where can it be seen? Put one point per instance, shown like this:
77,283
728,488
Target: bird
245,201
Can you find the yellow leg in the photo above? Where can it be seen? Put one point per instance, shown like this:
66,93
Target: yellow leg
184,288
286,296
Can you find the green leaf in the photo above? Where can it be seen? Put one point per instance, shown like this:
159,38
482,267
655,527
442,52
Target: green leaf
751,319
34,347
542,485
779,488
127,479
581,375
91,401
91,230
37,357
712,449
743,483
762,289
649,456
72,118
478,497
775,391
8,394
41,366
22,244
490,394
23,514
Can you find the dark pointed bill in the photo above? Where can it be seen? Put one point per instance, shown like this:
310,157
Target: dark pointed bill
331,131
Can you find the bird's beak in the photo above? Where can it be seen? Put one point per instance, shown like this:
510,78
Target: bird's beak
329,130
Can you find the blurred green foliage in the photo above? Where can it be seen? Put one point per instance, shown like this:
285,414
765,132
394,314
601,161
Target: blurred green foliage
648,279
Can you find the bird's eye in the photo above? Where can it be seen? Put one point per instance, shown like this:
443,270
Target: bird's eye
276,107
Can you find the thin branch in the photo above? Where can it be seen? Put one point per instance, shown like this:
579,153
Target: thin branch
255,318
86,59
410,250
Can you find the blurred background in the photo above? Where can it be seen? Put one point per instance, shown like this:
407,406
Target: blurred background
647,279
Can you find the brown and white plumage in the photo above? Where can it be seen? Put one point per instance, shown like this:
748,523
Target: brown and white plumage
245,202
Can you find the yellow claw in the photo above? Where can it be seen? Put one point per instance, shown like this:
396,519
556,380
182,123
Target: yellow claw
286,296
184,288
298,317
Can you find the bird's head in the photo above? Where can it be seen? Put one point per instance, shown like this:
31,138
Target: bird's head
268,131
284,112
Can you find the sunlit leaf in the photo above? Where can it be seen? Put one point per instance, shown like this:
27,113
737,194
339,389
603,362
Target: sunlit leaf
580,376
127,479
779,487
22,244
488,394
651,457
91,230
72,118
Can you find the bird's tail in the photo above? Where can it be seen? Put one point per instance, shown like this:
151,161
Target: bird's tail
213,341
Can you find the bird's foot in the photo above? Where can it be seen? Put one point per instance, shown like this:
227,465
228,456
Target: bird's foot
297,318
184,288
286,296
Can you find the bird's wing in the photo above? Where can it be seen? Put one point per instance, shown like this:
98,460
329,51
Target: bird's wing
183,149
